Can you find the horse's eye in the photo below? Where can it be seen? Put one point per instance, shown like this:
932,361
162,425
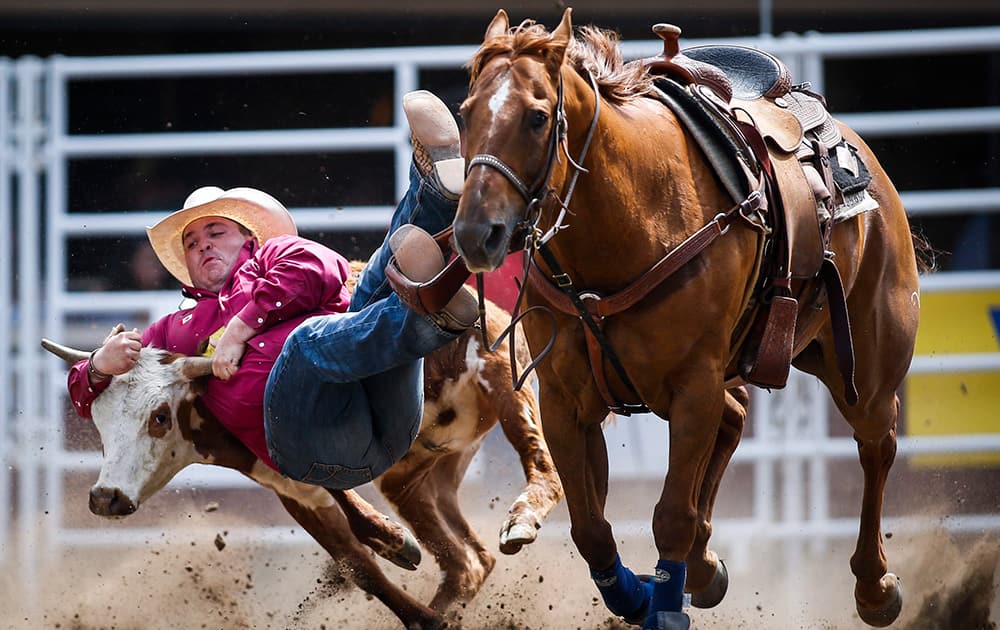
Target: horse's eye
538,119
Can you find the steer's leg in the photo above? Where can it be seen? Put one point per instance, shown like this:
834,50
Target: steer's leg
330,529
385,536
316,511
520,421
423,488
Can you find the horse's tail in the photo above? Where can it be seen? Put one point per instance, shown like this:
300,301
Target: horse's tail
926,254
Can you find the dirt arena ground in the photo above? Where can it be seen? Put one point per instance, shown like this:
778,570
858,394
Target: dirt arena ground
180,579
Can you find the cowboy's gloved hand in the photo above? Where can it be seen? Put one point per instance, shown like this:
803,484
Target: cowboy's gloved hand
119,354
230,348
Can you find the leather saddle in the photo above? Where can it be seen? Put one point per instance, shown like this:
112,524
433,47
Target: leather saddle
783,134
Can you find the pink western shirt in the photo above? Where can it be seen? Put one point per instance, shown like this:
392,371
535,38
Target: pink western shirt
272,289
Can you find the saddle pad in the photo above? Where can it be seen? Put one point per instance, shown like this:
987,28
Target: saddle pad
813,117
851,179
722,152
850,174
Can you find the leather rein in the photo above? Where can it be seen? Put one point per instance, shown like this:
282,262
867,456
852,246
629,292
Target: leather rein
557,287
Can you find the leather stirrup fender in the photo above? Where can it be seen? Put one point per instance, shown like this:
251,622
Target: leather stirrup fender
774,356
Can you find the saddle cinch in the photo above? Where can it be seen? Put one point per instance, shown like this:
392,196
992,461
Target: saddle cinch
759,131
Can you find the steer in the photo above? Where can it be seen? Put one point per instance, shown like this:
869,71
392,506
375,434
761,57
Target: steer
153,424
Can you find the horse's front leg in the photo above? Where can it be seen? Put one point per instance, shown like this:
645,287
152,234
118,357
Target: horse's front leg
695,417
707,580
581,458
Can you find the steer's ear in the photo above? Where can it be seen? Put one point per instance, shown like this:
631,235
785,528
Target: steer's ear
195,367
67,354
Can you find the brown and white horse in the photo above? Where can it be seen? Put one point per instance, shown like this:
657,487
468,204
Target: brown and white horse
646,188
152,425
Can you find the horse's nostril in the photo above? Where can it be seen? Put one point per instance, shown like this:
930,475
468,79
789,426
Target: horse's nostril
495,239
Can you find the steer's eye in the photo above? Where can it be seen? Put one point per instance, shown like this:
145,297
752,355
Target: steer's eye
159,421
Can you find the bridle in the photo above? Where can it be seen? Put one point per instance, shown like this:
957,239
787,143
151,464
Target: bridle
539,191
535,240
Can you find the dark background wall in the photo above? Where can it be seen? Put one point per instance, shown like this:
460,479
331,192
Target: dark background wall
111,27
128,26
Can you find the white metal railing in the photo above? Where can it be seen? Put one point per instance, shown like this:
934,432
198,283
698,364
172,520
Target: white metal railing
7,272
34,415
41,140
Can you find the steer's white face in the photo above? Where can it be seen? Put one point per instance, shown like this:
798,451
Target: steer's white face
142,417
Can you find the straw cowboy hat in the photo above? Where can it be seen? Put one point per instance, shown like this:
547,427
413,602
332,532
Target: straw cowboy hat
263,215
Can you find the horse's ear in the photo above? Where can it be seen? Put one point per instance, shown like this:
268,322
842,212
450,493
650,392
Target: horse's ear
498,26
564,32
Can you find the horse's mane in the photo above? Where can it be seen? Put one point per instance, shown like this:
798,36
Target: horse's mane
593,50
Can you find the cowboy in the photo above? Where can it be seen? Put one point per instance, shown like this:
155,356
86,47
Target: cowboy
325,387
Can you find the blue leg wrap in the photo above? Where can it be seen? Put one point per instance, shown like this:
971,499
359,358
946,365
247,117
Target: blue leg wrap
623,593
668,586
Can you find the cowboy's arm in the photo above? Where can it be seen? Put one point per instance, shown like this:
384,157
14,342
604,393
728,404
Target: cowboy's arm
294,276
116,355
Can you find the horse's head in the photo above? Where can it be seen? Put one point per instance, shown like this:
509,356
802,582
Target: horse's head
511,126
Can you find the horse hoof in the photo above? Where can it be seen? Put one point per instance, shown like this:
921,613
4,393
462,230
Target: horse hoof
711,595
406,556
642,614
517,531
667,620
887,612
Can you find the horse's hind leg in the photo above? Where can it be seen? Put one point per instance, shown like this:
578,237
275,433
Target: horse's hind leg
884,308
877,593
873,418
883,312
707,580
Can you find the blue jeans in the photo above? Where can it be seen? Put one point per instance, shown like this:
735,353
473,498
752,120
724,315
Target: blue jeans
345,397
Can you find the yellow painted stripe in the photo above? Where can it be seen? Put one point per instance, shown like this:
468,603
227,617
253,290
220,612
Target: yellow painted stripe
958,322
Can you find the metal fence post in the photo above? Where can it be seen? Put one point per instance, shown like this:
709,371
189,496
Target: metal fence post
6,314
29,402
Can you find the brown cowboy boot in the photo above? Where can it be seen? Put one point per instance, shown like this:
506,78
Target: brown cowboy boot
436,142
420,259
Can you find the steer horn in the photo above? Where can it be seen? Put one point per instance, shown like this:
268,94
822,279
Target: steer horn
67,354
72,355
194,367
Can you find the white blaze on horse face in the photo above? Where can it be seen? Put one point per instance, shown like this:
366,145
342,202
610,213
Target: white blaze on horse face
139,461
499,99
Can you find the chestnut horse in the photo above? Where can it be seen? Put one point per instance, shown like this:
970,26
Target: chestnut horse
642,188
